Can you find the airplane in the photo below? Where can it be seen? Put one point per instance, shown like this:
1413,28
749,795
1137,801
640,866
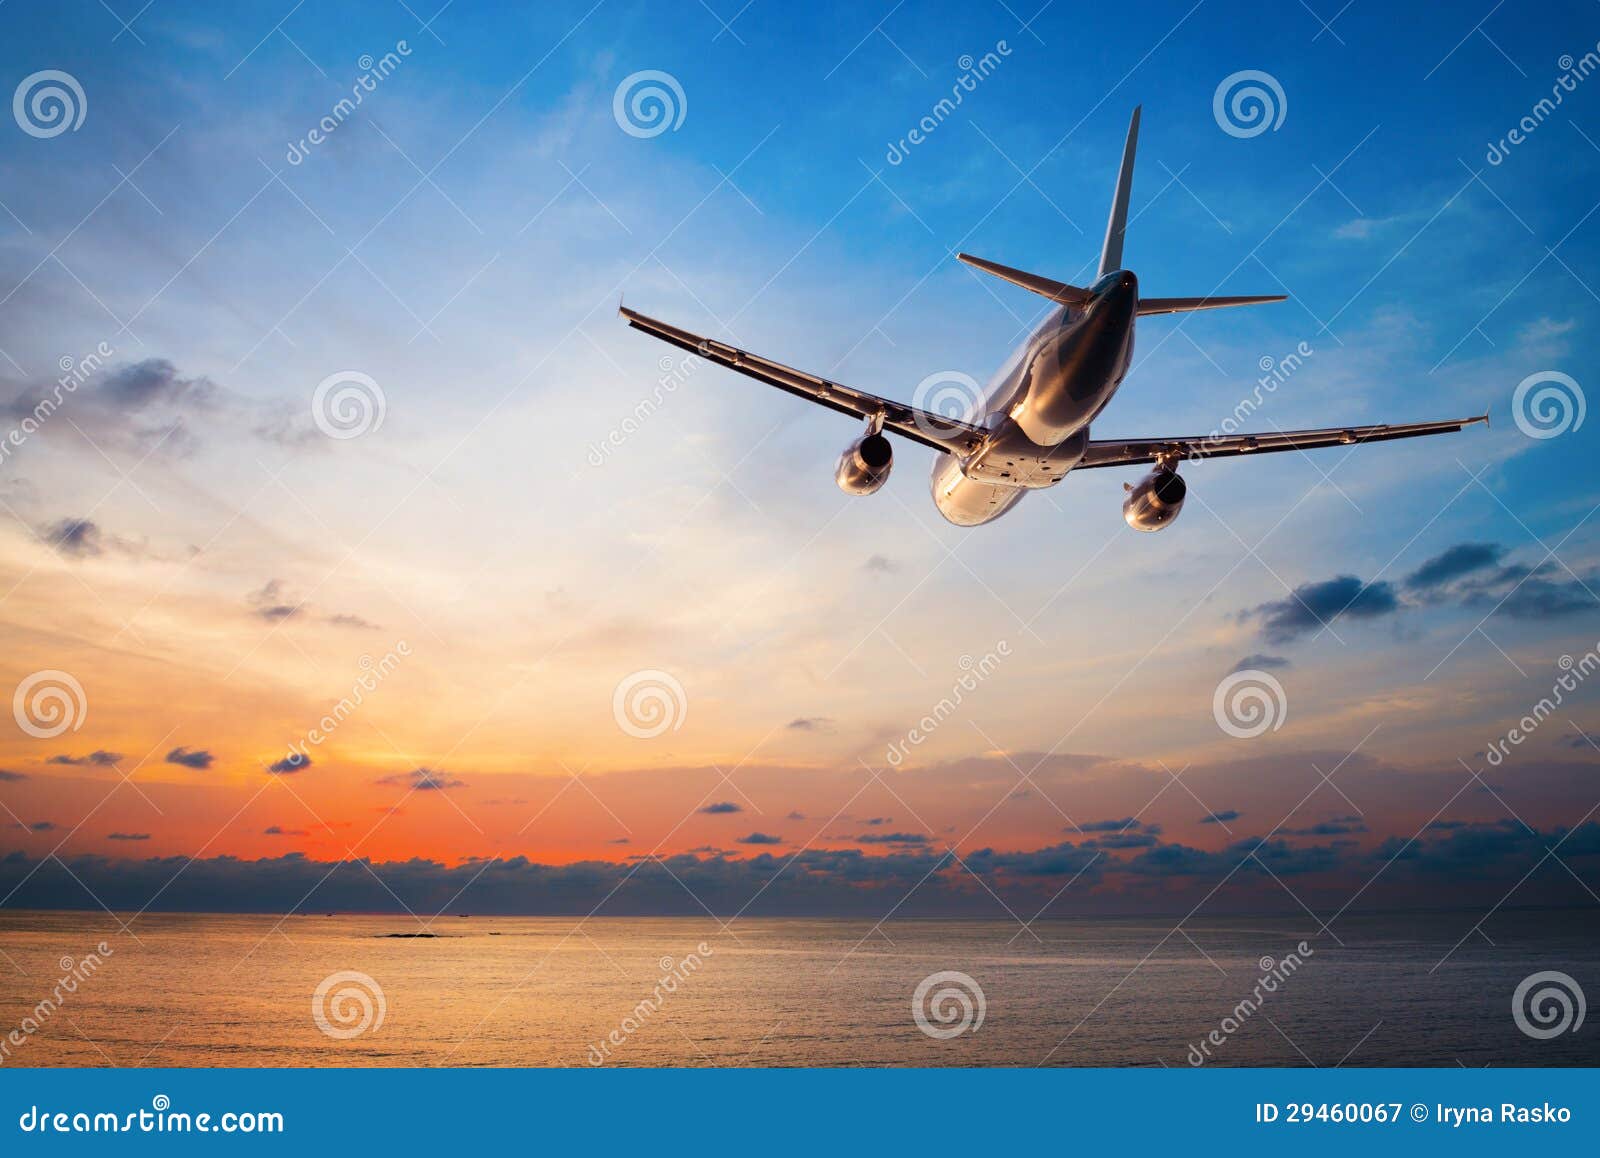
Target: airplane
1030,427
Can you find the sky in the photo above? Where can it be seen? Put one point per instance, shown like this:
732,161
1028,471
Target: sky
377,565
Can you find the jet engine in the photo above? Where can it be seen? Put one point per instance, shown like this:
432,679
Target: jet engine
1155,501
864,466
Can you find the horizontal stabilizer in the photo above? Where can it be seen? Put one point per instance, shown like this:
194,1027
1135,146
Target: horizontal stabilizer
1056,291
1188,305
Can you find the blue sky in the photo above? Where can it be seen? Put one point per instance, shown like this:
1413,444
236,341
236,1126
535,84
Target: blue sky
462,240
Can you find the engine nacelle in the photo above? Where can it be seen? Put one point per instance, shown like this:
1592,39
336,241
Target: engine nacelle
864,466
1155,501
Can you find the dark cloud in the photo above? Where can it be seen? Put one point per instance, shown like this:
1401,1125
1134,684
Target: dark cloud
760,838
882,564
190,757
1222,817
721,807
275,830
875,820
128,836
810,724
1453,563
796,816
155,381
1311,606
424,780
1259,662
904,838
1126,824
98,758
84,539
270,602
345,619
42,826
293,762
1334,826
9,777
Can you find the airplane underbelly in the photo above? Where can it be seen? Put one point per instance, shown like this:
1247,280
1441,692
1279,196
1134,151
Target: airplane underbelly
968,502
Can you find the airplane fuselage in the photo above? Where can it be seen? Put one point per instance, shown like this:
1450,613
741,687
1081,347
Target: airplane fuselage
1039,406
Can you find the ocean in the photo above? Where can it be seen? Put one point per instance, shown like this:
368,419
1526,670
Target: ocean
1416,989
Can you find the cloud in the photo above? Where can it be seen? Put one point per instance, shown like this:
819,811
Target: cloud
85,539
720,808
293,762
893,838
9,777
1452,564
42,826
1334,826
345,619
270,602
1314,605
810,724
1126,824
98,758
424,780
153,382
190,757
275,830
128,836
796,816
760,838
881,564
1259,662
1222,817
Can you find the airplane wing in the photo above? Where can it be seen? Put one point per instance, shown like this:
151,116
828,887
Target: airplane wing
935,430
1143,450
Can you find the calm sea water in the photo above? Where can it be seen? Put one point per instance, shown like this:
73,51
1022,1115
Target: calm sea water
241,990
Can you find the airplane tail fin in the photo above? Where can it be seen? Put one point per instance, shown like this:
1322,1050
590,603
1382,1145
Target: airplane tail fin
1117,226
